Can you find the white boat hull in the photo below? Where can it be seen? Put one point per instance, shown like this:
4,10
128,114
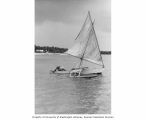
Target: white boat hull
81,75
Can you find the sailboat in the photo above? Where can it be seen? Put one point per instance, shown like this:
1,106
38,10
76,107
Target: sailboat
86,49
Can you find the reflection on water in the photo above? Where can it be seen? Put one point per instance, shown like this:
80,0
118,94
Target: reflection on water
87,93
60,94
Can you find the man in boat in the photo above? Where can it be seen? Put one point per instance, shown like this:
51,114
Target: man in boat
59,68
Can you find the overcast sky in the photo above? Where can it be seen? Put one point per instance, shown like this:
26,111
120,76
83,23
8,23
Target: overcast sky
57,22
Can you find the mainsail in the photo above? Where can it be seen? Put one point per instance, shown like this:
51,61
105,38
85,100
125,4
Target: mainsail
86,46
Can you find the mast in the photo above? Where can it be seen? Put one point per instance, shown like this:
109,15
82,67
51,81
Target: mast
84,51
87,41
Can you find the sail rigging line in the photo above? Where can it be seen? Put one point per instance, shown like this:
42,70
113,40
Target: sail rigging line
98,48
82,28
97,41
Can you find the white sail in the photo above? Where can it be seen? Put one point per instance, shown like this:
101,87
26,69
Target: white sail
92,52
86,48
80,43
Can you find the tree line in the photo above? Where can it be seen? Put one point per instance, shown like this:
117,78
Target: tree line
44,49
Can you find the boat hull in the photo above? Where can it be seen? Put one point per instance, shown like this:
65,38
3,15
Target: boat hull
78,73
79,76
87,75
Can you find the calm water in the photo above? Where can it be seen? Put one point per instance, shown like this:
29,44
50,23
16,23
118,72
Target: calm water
59,94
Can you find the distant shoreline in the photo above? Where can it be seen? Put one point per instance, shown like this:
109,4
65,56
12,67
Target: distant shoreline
47,49
102,52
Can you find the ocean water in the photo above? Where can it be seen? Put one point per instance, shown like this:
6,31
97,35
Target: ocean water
60,94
